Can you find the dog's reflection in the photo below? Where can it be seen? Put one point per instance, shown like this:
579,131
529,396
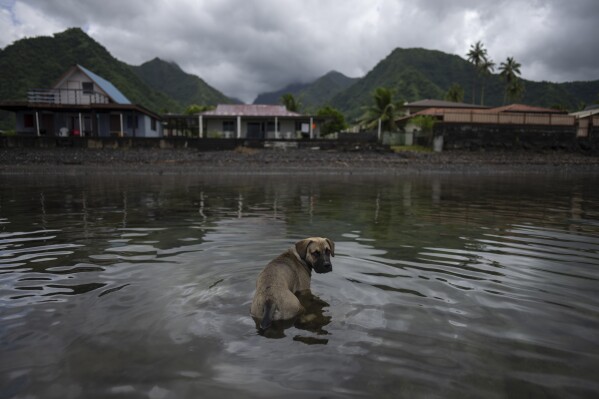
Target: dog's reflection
312,320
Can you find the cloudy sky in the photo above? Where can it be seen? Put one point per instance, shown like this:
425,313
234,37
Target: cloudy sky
244,47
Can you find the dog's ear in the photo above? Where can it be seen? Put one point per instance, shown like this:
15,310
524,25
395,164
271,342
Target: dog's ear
302,247
332,245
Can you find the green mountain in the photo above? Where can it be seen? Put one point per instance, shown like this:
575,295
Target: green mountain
416,74
186,89
39,62
311,95
274,97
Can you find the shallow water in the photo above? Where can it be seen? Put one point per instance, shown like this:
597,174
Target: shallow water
441,287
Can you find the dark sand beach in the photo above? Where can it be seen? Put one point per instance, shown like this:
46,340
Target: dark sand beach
296,161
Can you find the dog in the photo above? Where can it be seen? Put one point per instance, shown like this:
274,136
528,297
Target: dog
287,275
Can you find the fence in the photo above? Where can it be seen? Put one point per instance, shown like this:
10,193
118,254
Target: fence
509,118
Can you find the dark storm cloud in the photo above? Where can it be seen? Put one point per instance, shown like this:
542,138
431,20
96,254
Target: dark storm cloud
245,47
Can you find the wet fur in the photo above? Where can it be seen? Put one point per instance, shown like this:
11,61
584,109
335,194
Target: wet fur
287,275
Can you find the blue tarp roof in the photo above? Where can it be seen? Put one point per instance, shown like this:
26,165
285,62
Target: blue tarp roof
108,87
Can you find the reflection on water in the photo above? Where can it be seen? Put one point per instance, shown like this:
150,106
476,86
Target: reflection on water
442,287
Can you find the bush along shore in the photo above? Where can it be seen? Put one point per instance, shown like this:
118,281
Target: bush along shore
272,161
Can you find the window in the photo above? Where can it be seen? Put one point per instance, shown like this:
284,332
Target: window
153,124
28,120
88,87
228,126
270,127
132,121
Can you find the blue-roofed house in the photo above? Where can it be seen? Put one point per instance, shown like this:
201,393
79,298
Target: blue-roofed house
81,103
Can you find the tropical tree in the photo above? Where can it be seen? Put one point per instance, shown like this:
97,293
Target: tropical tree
486,68
384,109
335,120
476,56
509,71
515,90
289,101
196,109
455,93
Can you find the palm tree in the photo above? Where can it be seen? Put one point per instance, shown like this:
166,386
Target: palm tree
486,68
290,102
477,55
383,109
455,93
515,90
510,70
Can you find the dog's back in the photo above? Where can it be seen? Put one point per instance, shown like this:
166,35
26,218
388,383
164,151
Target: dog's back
286,275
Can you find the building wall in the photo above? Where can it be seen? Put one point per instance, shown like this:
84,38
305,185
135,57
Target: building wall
288,128
51,124
529,137
74,84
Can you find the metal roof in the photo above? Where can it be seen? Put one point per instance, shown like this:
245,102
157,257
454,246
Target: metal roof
106,86
432,103
525,108
257,110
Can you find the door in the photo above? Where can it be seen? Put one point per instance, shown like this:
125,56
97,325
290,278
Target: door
47,125
254,130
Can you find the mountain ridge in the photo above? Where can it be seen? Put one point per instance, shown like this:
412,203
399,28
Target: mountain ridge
162,86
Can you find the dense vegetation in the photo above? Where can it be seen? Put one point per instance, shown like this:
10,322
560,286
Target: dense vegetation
312,95
185,88
415,74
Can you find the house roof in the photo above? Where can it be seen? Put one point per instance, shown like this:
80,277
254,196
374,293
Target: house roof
525,108
245,110
432,103
519,108
111,91
585,113
107,87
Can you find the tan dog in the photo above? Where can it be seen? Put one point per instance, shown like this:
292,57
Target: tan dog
287,275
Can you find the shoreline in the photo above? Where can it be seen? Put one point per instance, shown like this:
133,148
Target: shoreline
246,161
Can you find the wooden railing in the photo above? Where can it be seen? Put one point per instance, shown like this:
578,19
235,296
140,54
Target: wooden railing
66,96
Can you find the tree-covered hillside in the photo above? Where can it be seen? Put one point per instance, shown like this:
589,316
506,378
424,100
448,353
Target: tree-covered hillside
185,88
415,74
311,95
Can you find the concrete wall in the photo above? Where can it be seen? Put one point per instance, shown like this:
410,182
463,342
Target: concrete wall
477,136
205,144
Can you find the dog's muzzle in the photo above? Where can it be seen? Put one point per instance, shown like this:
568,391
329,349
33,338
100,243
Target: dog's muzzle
324,268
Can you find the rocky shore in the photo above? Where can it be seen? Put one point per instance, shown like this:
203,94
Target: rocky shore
277,161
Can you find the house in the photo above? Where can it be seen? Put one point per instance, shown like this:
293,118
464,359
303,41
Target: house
509,126
513,114
245,121
82,103
588,120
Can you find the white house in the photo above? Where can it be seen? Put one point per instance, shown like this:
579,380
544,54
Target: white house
82,103
246,121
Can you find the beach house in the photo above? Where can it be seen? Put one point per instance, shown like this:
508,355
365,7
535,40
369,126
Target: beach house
245,121
81,103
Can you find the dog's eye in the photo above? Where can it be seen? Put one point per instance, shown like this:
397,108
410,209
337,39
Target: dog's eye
316,253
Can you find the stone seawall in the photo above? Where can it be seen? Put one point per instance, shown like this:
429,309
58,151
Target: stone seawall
516,137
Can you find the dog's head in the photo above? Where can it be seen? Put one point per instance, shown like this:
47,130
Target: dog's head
316,252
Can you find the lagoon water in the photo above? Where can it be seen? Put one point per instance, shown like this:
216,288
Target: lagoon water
442,286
